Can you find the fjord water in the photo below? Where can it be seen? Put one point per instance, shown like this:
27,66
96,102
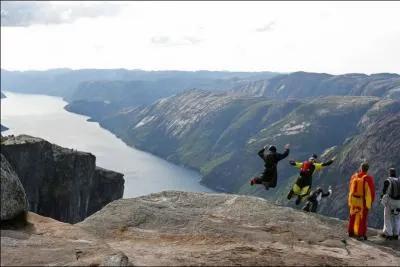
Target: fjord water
44,116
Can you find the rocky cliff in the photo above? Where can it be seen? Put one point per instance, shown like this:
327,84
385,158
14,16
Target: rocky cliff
187,229
60,183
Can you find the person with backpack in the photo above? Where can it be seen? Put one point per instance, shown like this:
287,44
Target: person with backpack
360,199
302,186
269,177
390,198
315,197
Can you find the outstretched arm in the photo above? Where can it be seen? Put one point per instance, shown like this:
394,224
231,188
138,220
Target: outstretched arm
329,162
296,164
319,166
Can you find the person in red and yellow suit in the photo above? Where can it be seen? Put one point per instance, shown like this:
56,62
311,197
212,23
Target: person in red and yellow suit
361,197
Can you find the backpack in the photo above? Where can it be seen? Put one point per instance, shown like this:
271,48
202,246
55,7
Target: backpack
357,191
307,169
394,188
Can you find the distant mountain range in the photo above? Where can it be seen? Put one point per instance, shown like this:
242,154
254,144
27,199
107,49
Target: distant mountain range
95,84
216,122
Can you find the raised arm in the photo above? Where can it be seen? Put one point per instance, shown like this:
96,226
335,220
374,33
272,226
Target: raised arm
281,156
261,153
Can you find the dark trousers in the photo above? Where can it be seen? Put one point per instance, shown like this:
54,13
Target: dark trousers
267,178
311,206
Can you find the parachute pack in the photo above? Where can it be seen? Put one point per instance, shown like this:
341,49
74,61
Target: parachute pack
307,169
394,188
357,191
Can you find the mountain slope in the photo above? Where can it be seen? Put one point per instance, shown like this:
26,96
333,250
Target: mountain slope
220,135
305,85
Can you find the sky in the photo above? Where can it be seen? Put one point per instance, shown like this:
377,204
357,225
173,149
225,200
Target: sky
283,36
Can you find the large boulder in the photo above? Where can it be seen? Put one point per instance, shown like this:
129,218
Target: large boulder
13,198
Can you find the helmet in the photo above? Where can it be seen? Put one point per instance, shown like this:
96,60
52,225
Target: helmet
272,148
313,157
392,172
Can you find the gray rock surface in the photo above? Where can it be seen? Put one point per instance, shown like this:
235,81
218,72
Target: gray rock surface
13,197
181,228
60,183
186,229
49,242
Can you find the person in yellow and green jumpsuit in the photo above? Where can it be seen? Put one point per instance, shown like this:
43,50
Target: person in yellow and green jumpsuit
302,186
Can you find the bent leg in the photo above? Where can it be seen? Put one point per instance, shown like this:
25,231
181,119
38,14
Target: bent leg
314,206
302,194
307,206
256,180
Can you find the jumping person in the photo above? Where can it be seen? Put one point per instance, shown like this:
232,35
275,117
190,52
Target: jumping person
302,186
315,197
269,176
361,197
390,198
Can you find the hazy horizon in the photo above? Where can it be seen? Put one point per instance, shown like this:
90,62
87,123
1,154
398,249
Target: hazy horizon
248,36
200,70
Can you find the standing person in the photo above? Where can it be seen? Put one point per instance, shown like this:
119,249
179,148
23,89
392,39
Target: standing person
361,197
269,176
302,186
390,198
315,197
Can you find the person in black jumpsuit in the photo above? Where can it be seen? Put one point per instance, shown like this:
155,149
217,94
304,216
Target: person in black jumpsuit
269,176
315,197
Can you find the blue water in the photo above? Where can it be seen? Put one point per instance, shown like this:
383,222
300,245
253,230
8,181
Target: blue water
45,117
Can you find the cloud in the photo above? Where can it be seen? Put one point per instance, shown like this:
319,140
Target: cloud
267,28
26,13
162,40
193,40
168,41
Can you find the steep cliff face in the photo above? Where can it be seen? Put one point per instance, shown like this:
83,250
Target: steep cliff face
60,183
